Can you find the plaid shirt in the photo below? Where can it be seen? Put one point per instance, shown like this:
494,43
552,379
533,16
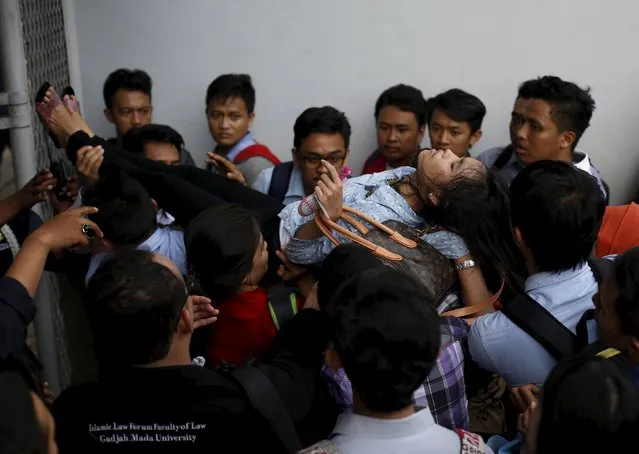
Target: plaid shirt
444,391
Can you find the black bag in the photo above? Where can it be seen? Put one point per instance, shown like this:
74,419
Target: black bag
400,247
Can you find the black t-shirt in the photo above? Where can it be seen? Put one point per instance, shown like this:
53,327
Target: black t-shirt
188,409
192,409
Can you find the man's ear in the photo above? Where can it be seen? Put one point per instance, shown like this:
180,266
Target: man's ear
420,135
474,137
155,205
332,359
251,118
567,139
109,116
348,152
186,323
296,158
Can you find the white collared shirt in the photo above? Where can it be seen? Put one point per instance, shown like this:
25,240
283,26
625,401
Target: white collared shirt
164,241
357,434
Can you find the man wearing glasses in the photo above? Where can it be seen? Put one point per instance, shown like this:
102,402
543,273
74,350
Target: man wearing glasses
320,133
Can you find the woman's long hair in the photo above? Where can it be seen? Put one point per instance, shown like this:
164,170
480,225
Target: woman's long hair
478,209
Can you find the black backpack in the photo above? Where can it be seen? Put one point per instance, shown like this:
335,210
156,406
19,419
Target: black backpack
279,180
542,326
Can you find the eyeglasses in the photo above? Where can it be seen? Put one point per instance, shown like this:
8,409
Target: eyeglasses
314,161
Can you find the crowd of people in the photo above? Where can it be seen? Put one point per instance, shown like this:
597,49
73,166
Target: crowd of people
437,303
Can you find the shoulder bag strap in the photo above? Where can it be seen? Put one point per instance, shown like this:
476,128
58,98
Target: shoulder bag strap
282,306
540,324
266,400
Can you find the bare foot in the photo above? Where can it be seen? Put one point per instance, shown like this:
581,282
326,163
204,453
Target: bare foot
71,102
58,119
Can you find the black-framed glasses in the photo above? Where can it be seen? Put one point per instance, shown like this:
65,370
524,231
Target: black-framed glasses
314,161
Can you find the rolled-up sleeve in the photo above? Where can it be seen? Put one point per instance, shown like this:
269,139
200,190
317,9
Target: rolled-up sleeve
16,313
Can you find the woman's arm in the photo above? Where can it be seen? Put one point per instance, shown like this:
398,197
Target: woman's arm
473,286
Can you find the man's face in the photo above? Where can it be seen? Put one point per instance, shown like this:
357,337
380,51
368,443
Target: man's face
608,326
534,134
166,153
313,149
398,135
448,134
229,121
130,109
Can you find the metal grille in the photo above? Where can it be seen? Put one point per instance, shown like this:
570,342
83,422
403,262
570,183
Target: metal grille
46,55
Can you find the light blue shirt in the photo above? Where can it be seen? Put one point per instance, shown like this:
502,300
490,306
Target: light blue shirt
246,142
295,191
514,165
372,195
164,241
500,346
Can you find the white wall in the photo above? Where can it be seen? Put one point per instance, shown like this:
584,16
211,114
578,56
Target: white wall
345,52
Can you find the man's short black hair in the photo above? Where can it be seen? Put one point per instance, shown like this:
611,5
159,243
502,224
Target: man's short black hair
137,138
229,86
126,213
589,404
126,79
387,335
558,210
323,120
572,106
459,106
134,304
626,277
406,99
344,262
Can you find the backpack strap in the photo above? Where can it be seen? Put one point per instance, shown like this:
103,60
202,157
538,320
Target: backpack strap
256,150
282,305
540,324
280,179
471,443
266,400
504,157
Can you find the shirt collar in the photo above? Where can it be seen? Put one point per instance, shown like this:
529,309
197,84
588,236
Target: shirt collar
156,240
295,185
351,424
243,144
579,159
545,278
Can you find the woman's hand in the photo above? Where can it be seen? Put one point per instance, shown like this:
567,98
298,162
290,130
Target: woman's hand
226,167
330,191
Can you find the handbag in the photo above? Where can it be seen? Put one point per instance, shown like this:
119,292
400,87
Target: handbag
398,246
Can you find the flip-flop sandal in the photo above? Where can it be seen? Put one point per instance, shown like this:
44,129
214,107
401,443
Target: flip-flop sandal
71,103
46,110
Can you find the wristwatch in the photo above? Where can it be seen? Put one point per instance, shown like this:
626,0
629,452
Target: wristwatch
466,264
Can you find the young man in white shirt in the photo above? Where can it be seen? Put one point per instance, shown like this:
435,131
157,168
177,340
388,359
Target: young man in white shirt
386,337
548,119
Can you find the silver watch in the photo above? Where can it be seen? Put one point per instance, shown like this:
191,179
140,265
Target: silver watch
466,264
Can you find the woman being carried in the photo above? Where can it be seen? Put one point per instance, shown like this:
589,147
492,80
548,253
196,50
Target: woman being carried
457,194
